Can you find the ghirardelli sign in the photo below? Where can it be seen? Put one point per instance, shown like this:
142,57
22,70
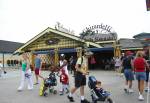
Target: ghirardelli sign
100,29
60,27
99,32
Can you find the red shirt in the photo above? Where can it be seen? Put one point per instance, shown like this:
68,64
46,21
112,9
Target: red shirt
139,64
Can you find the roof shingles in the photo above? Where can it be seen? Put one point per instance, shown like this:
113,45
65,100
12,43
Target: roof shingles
9,46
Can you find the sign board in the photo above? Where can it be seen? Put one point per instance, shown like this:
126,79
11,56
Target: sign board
52,41
60,27
100,29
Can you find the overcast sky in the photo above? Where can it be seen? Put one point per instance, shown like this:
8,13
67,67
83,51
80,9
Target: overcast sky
21,20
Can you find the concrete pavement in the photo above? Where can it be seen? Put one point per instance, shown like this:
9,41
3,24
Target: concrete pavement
110,81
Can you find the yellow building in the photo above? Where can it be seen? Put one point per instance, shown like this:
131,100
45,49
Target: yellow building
51,42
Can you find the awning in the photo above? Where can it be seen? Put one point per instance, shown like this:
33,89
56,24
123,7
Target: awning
72,50
101,49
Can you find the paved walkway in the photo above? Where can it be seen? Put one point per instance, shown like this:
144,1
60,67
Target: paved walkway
110,81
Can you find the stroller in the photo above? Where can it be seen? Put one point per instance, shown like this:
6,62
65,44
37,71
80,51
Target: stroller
49,84
98,95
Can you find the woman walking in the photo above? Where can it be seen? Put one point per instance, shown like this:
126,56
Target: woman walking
139,65
25,73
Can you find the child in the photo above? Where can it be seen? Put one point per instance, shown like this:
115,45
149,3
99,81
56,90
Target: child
100,91
65,81
98,86
49,82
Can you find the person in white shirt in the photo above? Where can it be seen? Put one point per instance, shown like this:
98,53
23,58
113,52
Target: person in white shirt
63,67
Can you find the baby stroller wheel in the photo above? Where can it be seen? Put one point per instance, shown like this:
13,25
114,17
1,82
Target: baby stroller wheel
109,100
55,92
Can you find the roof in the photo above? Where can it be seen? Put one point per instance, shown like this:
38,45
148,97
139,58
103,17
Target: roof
142,35
9,46
56,32
130,44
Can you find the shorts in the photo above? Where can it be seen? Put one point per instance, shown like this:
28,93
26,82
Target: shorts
128,74
37,71
80,80
140,75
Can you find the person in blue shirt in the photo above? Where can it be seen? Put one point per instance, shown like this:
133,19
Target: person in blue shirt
37,65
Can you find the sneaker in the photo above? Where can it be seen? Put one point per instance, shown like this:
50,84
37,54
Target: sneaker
61,93
126,89
70,98
141,98
5,72
29,88
146,89
130,91
19,90
36,83
85,101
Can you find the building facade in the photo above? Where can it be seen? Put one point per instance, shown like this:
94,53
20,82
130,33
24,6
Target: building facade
7,49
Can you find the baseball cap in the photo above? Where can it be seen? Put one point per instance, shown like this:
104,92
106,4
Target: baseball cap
128,53
62,55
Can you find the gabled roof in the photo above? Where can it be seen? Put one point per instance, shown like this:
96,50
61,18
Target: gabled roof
56,32
130,44
142,35
9,46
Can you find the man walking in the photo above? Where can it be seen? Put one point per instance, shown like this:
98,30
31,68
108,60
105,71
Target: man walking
80,77
37,64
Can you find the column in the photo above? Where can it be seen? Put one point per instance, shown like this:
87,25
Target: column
56,60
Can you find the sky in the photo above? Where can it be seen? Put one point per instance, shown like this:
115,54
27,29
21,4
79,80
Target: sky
21,20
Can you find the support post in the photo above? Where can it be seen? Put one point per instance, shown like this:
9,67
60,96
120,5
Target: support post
56,56
3,61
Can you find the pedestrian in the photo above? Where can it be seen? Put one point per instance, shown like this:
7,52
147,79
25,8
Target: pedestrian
37,65
64,80
63,67
127,64
118,65
92,62
80,77
26,73
147,86
71,64
139,65
63,63
147,73
1,68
